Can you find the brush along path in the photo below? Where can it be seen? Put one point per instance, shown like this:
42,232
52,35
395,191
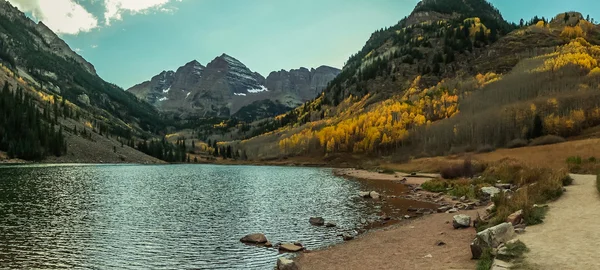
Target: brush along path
406,246
569,236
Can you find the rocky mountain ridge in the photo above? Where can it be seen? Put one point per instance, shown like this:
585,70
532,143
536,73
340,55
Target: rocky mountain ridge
226,85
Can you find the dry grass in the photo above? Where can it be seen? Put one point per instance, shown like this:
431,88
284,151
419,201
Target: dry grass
546,156
536,186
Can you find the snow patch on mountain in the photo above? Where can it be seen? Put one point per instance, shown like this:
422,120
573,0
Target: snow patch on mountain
240,94
258,90
167,90
163,99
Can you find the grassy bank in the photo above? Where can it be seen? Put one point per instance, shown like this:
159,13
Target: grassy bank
532,185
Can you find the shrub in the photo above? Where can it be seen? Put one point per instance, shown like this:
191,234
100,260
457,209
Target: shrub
464,170
567,180
513,251
517,143
546,140
592,159
574,160
486,260
485,149
435,185
534,215
537,186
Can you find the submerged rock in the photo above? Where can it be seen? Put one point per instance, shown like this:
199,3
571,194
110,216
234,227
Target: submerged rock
317,221
255,238
330,224
347,237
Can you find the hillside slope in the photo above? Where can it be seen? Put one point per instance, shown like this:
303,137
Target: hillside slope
55,105
448,79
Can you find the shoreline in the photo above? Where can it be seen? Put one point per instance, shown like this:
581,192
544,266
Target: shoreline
426,241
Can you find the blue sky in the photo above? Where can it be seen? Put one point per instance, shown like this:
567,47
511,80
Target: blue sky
129,41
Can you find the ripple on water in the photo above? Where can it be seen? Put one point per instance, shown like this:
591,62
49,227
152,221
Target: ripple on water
166,217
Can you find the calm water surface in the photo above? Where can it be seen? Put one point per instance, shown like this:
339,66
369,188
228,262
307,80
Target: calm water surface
167,217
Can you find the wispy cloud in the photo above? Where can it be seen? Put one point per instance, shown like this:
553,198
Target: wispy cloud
62,16
116,8
70,17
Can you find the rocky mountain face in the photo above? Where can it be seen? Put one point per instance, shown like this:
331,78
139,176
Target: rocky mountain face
226,85
37,55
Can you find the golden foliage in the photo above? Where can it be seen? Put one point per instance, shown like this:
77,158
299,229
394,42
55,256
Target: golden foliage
579,53
386,123
572,32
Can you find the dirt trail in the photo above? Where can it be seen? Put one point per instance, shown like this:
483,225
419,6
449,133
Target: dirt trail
570,234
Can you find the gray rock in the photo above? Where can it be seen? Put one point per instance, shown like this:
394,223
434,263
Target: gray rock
364,194
452,211
461,221
406,217
444,209
490,208
316,221
286,264
491,238
491,191
503,186
347,237
501,265
255,238
374,195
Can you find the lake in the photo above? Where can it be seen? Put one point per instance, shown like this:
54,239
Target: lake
168,217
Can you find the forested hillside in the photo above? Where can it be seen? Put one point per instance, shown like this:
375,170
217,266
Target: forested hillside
438,83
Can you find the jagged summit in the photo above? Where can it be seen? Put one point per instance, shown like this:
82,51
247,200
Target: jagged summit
225,85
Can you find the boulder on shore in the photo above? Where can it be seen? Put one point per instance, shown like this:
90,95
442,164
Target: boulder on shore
461,221
289,247
255,238
347,237
316,221
491,191
515,218
364,194
374,195
491,238
286,264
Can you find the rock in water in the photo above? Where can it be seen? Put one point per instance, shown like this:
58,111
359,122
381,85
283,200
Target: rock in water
347,237
268,244
515,218
317,221
288,247
256,238
330,224
374,195
365,194
286,264
491,238
461,221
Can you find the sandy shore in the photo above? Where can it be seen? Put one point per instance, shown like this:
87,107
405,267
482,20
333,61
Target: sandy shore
370,175
412,244
404,246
